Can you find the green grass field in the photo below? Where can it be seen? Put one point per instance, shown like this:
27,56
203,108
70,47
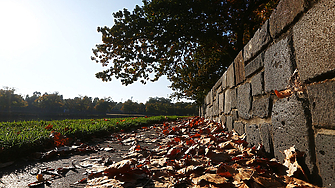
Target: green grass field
29,134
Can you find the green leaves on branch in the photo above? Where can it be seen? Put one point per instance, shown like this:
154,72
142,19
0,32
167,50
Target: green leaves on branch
190,41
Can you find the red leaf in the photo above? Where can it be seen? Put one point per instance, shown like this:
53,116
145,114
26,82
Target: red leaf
196,135
166,132
49,127
190,142
172,153
177,139
225,174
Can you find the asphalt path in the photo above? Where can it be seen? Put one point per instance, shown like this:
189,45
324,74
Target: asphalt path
23,172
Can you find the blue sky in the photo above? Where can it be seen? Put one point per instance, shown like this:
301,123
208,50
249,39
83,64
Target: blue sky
46,45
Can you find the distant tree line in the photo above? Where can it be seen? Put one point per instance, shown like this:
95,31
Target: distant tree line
54,103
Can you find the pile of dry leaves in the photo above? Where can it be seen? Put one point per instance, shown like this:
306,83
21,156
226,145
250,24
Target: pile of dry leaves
194,153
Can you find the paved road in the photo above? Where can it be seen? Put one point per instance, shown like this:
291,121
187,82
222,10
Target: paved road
22,172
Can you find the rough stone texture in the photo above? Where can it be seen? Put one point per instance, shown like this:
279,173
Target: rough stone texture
253,134
210,98
231,119
230,100
224,80
284,15
233,98
201,111
223,119
314,40
290,127
215,108
230,76
207,99
278,65
230,123
234,114
239,127
218,84
257,84
244,100
265,130
221,103
227,102
207,112
325,150
322,103
254,65
239,68
210,112
260,39
261,107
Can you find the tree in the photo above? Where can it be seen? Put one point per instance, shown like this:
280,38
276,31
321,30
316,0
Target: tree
9,99
80,104
129,106
104,105
190,41
159,105
32,100
50,101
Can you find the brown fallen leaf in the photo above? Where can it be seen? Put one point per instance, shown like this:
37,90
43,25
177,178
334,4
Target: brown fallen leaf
244,174
291,163
123,166
211,178
293,182
193,152
268,182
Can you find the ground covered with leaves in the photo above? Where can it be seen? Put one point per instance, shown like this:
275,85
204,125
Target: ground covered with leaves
191,152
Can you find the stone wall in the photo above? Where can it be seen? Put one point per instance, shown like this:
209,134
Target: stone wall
300,34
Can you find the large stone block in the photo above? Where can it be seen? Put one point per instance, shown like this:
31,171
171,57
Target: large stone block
227,102
230,120
239,127
239,68
233,98
261,107
224,80
229,123
206,112
218,85
255,65
265,131
314,40
230,76
216,108
207,101
284,15
223,119
322,103
257,84
278,65
244,100
221,103
230,100
201,111
210,113
291,128
260,39
325,153
210,97
253,134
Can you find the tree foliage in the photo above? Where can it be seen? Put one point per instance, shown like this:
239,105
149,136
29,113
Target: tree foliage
55,104
190,41
9,99
104,105
52,101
